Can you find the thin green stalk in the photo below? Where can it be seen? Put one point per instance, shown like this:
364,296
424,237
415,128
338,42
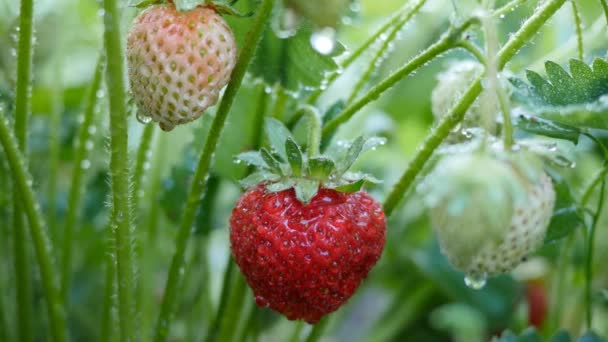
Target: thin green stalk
315,125
558,284
361,49
383,49
109,298
605,8
23,278
54,140
595,181
119,171
231,270
232,314
318,330
445,126
447,42
4,332
579,30
246,327
42,246
280,104
142,164
507,8
589,259
229,274
198,184
22,112
81,163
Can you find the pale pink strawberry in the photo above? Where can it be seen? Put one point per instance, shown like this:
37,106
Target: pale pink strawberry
179,62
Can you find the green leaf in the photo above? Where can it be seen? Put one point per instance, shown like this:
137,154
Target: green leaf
306,189
577,98
277,135
373,143
321,167
351,187
566,216
353,152
281,61
548,128
294,156
142,3
271,161
253,158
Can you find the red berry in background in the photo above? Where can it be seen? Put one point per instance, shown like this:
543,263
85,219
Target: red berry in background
305,261
178,62
538,303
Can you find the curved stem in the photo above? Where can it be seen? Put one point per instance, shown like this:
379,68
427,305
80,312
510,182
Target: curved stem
109,296
395,20
589,259
198,184
81,163
384,47
23,279
473,50
229,274
55,310
232,314
595,181
442,130
579,30
605,8
119,171
447,42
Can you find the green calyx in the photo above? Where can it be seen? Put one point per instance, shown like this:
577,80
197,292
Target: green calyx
222,7
285,165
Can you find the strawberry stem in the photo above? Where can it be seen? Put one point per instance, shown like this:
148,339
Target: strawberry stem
199,180
119,171
315,125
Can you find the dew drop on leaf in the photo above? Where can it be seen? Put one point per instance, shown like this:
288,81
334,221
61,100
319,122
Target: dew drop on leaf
323,40
475,282
143,119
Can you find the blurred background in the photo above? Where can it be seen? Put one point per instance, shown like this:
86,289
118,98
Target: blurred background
413,294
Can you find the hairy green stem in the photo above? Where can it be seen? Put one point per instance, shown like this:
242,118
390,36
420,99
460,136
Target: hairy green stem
198,184
507,8
589,258
315,125
23,271
579,30
447,42
395,20
81,163
445,126
42,246
383,49
119,171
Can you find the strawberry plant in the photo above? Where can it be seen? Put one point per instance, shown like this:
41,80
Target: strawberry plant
214,170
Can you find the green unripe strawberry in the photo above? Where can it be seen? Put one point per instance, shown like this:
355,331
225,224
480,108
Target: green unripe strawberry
489,211
179,62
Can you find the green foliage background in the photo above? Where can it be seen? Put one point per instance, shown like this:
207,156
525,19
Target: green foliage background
413,294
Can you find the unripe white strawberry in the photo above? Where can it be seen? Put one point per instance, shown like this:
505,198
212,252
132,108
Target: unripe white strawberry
489,211
179,62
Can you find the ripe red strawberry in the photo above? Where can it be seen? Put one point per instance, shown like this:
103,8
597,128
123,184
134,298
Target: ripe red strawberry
489,212
304,235
305,261
178,62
